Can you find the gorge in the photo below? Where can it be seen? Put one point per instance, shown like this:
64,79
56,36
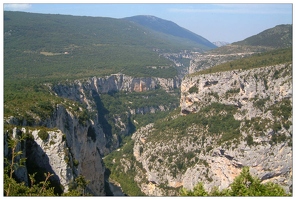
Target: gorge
135,111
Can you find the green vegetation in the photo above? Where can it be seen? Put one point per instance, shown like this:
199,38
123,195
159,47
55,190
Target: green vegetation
243,185
282,109
118,104
269,58
125,178
193,89
170,28
43,134
31,102
249,140
21,99
211,117
142,120
47,46
260,103
214,94
277,37
232,91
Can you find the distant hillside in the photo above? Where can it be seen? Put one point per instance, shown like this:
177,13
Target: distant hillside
170,28
275,38
278,37
51,47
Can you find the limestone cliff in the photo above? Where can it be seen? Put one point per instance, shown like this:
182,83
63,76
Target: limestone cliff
77,135
228,120
72,148
113,83
88,93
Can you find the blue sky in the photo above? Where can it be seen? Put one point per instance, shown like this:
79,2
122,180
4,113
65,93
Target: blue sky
215,22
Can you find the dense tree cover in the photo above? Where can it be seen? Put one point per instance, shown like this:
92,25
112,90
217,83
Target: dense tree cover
243,185
23,98
121,101
50,47
269,58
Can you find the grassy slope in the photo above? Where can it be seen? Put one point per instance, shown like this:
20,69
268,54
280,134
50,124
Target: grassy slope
277,37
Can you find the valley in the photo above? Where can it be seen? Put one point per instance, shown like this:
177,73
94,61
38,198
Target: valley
148,111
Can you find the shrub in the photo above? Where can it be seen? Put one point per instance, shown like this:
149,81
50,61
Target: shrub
243,185
76,162
214,94
260,103
209,148
232,91
43,134
249,140
193,89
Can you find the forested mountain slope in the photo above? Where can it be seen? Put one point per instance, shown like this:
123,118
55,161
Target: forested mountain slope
170,28
87,45
277,37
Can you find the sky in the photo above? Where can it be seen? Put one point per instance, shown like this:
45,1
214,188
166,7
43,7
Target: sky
228,22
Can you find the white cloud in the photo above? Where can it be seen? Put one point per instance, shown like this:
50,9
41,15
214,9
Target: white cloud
17,6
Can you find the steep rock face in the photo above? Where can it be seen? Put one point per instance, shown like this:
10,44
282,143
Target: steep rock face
88,93
73,148
238,87
86,143
255,105
114,83
52,156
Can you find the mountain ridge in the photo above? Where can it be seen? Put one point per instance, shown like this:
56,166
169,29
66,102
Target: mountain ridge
279,36
169,27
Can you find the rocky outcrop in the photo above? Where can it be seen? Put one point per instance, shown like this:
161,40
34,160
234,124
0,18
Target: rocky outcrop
114,83
150,109
86,144
204,61
72,148
239,87
256,103
52,155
